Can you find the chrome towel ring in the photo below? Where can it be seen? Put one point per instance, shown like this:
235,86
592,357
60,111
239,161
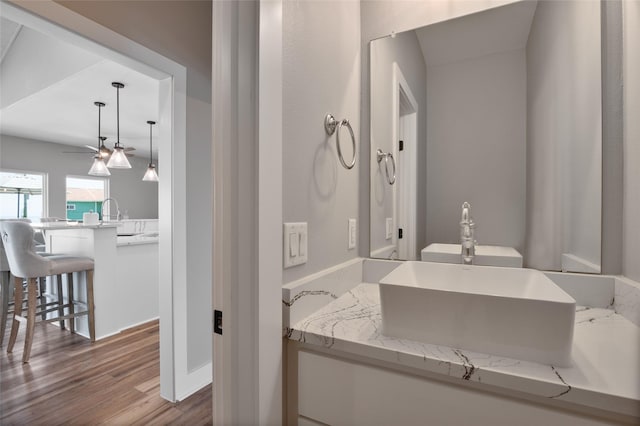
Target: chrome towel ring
380,154
330,125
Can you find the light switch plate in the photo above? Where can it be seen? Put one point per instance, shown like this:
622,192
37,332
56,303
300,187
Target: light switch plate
295,244
389,228
352,234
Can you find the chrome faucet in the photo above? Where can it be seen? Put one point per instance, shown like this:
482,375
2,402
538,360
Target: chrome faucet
118,216
467,235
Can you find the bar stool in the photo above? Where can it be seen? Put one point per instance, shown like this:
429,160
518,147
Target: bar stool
5,284
26,264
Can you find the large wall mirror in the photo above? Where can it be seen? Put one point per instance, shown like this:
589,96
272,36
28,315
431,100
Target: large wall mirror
501,109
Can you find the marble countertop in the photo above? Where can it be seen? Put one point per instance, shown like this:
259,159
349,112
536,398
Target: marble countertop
606,353
71,225
138,239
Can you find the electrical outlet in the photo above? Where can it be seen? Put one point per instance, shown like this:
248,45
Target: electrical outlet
352,234
389,228
295,244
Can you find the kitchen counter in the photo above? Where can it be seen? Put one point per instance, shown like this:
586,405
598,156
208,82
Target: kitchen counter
125,279
604,375
71,225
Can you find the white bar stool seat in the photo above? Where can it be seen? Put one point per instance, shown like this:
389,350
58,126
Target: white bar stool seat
25,263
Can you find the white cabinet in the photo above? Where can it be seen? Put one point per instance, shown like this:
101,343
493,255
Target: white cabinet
137,226
339,392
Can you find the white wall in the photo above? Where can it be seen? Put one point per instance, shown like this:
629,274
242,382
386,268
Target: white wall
405,50
631,185
321,74
139,198
199,231
476,145
181,31
564,107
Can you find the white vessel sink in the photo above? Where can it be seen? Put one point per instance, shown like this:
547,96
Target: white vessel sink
485,255
514,312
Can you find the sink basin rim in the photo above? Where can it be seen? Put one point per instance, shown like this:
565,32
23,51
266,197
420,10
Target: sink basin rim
436,283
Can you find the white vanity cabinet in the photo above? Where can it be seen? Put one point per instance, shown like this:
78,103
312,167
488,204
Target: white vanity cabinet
329,390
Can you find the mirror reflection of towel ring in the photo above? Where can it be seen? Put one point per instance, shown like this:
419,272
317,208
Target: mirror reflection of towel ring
380,154
330,125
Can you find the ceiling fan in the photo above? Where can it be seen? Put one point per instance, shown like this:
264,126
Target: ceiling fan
106,152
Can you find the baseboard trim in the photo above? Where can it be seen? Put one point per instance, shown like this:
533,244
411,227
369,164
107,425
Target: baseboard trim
193,381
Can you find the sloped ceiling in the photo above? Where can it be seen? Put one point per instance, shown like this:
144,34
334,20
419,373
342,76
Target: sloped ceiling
48,89
495,30
8,32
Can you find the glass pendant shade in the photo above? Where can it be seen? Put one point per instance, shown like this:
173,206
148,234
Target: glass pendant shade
98,168
151,175
118,159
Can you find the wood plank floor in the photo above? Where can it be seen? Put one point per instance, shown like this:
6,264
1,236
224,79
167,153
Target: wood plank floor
70,381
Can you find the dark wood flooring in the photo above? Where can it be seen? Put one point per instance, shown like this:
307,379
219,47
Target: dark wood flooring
70,381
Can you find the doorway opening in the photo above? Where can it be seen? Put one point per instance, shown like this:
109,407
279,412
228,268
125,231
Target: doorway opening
405,129
58,22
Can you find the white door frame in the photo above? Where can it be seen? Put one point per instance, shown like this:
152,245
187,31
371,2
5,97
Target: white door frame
247,251
404,205
57,21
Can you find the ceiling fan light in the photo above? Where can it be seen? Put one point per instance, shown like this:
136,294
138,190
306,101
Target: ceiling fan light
118,159
98,168
151,175
104,151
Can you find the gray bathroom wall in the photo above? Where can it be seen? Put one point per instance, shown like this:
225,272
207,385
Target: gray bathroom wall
138,198
631,185
612,138
564,134
321,74
476,148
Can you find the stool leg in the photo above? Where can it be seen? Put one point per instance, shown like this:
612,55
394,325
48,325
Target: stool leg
17,311
91,306
72,308
4,301
31,318
60,301
42,281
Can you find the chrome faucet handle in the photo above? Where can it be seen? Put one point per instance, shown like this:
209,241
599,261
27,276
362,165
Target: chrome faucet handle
467,235
466,214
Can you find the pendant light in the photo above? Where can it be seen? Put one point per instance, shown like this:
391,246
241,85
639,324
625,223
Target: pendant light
151,175
118,158
98,168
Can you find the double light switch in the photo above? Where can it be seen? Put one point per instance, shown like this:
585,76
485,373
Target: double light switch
295,244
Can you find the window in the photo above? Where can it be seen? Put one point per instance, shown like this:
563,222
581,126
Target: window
22,195
85,195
